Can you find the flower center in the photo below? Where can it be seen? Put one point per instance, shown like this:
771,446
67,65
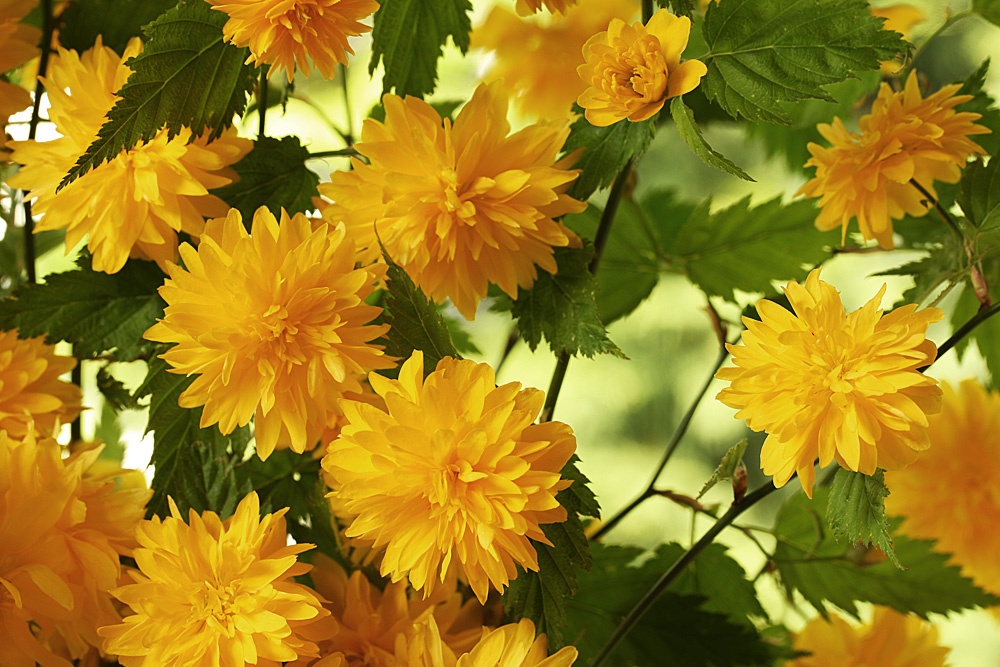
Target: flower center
638,71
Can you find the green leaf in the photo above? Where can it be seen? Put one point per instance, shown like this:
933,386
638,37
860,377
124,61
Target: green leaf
983,104
542,596
629,268
185,77
95,311
12,266
116,21
273,174
810,560
415,323
986,335
678,630
715,576
979,196
408,38
678,7
726,470
562,308
763,53
291,480
938,272
692,136
988,9
114,391
747,248
606,150
193,465
856,511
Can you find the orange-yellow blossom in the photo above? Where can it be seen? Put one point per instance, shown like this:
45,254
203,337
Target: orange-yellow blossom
32,395
290,34
829,384
905,142
633,69
452,474
457,206
273,323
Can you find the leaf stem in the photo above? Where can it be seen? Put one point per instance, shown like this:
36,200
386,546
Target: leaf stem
262,103
977,319
944,26
647,10
348,115
340,152
677,568
600,240
43,63
675,440
937,207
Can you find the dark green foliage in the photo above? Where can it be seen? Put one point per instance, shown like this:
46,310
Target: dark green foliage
606,150
678,7
12,266
983,104
408,38
679,630
95,311
691,134
291,480
194,465
116,21
726,470
561,308
415,323
629,268
185,77
856,511
542,596
979,195
986,335
273,174
810,560
989,9
746,248
763,53
115,394
943,267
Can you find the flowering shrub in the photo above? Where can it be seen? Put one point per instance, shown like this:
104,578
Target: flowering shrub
330,297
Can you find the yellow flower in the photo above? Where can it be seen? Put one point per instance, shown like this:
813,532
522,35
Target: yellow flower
526,7
899,18
452,474
905,138
890,640
951,494
18,44
216,593
273,323
135,204
62,532
30,389
632,70
831,384
515,645
519,45
371,620
457,206
292,33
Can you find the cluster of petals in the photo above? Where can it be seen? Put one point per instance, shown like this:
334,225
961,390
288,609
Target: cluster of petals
519,45
527,7
951,494
632,70
458,206
273,323
289,34
217,593
891,639
135,204
62,531
32,395
829,384
373,622
452,474
18,44
904,145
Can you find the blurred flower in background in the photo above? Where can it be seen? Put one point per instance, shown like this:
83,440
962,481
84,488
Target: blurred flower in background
33,398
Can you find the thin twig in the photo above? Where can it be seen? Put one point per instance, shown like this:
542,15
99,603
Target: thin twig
43,63
340,152
647,10
937,207
977,319
261,103
600,240
675,440
348,115
677,568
